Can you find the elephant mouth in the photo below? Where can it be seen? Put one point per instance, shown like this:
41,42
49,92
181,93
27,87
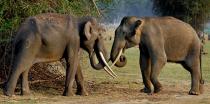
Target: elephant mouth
120,59
102,63
117,58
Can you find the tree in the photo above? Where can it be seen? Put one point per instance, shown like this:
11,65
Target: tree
194,12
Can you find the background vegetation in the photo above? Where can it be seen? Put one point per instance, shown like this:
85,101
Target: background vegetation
195,12
13,12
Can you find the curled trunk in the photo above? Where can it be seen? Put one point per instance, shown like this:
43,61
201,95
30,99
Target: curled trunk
121,62
118,46
93,63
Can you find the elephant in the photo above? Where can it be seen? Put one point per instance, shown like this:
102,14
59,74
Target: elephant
51,37
160,40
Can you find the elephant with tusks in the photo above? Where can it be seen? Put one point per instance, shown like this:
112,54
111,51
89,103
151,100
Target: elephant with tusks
160,40
51,37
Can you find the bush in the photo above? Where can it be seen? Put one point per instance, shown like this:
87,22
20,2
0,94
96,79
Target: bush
13,12
194,12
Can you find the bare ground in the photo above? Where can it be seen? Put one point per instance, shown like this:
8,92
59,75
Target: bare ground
124,90
110,93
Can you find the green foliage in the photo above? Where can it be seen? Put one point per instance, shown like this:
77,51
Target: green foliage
13,12
195,12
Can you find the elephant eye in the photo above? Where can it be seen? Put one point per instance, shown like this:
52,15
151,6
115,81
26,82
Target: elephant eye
124,33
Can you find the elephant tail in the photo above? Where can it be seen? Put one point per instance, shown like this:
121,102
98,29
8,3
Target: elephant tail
201,80
33,24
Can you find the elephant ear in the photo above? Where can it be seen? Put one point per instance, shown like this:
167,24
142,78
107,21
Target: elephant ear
137,25
136,33
87,30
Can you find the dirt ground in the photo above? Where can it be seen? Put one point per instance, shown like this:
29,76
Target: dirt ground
123,90
110,93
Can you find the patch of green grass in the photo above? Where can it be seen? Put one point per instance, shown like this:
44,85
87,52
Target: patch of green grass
206,63
129,73
171,73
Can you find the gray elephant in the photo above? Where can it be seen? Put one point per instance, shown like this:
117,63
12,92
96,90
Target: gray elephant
160,40
50,37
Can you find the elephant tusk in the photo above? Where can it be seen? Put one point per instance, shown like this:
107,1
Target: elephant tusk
118,56
109,70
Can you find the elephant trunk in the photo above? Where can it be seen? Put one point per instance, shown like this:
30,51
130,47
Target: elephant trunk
93,63
119,62
116,57
98,48
102,56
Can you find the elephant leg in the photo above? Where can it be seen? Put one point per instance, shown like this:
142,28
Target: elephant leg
193,68
145,64
80,82
11,83
25,84
72,64
21,65
24,56
156,66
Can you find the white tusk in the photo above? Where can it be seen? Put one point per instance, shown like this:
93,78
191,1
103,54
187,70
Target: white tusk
109,72
109,69
117,58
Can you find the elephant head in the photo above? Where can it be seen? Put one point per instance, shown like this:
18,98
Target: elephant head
127,35
93,43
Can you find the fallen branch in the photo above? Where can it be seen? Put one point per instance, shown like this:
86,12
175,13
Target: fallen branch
39,81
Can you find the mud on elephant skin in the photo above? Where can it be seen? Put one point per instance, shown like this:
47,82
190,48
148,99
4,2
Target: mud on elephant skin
160,40
50,37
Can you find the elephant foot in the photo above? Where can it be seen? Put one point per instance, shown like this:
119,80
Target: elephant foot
157,89
68,93
7,93
146,90
193,92
25,93
83,93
